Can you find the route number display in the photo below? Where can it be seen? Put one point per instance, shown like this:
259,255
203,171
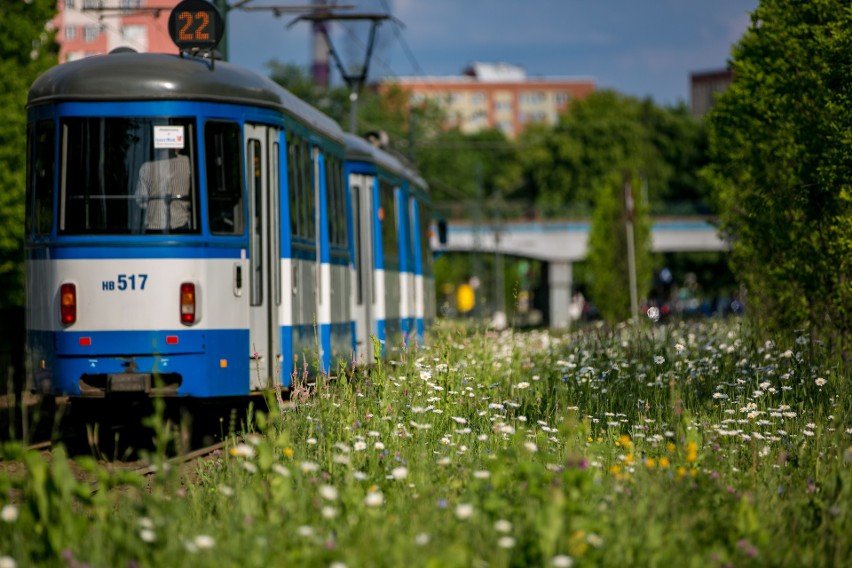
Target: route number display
196,25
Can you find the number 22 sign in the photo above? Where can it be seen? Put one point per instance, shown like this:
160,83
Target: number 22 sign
195,24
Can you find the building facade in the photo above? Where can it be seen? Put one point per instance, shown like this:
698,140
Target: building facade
705,85
502,96
93,27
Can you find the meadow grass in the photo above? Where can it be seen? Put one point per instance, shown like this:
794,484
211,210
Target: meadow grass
686,444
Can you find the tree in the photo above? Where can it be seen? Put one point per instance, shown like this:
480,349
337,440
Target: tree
27,48
564,165
782,165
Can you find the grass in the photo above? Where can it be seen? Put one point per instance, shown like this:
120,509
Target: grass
689,444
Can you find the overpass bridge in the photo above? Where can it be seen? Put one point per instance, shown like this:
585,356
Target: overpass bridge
561,243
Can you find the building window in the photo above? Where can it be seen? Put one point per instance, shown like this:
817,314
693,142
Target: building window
133,33
70,4
91,4
90,33
563,98
503,106
70,33
477,98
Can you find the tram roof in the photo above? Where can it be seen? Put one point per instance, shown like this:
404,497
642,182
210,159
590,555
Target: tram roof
130,76
358,148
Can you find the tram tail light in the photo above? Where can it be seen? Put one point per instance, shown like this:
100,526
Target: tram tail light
187,303
68,303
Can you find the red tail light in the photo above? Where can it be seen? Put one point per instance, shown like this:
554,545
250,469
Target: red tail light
68,303
187,303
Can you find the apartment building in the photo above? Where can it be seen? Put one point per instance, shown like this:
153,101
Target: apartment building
496,95
92,27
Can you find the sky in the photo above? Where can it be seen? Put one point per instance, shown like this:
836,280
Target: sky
641,48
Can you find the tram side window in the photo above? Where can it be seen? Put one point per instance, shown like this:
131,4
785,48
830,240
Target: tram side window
224,178
307,193
293,180
390,235
41,168
128,175
336,202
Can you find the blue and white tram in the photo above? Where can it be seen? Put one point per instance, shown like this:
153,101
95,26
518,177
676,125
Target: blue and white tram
186,230
392,261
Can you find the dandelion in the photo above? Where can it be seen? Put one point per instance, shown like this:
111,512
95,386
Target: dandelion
464,511
374,499
9,513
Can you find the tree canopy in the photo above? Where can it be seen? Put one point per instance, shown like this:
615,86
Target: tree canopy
782,164
27,48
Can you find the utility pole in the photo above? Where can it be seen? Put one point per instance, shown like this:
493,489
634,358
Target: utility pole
354,80
629,207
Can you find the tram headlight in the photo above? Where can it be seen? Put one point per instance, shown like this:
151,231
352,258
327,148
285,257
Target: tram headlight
68,303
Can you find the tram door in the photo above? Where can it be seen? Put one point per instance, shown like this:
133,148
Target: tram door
264,253
363,292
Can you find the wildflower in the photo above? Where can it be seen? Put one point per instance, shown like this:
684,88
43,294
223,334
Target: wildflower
288,452
312,441
399,473
679,347
459,420
242,451
506,542
691,452
820,381
7,562
309,467
337,565
9,513
464,511
204,542
482,474
328,492
281,470
374,499
444,461
530,447
226,490
522,385
659,359
147,535
305,531
329,512
503,526
379,446
562,561
250,467
422,539
360,446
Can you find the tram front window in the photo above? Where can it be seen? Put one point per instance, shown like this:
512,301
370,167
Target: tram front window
128,176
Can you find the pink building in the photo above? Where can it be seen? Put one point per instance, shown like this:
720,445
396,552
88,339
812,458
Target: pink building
92,27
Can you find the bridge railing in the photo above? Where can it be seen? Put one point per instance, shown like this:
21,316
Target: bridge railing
491,210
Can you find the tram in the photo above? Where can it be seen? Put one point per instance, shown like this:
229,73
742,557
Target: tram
193,229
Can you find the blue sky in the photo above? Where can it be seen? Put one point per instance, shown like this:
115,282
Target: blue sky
643,48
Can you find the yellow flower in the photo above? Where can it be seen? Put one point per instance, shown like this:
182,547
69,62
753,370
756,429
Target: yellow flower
625,441
692,452
670,448
681,471
615,470
289,452
664,462
650,463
